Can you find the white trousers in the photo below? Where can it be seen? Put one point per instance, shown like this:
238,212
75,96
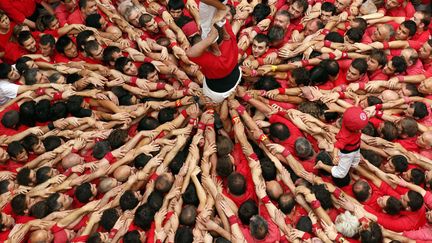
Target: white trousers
219,97
346,161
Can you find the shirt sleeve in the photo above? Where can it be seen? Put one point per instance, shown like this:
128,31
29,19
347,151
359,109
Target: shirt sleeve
12,12
8,90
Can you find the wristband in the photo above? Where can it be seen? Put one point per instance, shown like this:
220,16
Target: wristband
363,220
184,113
110,157
134,81
265,199
173,44
286,152
148,59
254,73
401,78
327,43
161,10
57,96
304,62
386,45
51,126
241,109
160,135
185,92
337,193
192,121
256,29
160,86
210,125
306,236
406,99
338,237
379,114
378,107
332,56
262,138
315,204
247,97
235,119
270,18
68,172
40,91
362,86
341,95
178,103
343,87
201,126
274,68
325,31
113,232
74,150
253,156
281,90
186,82
232,219
344,55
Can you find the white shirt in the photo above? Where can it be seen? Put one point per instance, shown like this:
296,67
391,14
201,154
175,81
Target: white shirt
8,91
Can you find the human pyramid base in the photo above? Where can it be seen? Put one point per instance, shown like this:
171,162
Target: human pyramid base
215,121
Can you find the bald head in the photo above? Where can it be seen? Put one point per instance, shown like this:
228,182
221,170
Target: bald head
274,190
122,173
107,184
389,95
425,140
71,160
40,236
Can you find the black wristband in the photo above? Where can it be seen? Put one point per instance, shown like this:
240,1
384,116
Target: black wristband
51,126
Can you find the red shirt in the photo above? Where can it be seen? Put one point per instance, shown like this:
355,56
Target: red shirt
409,144
62,14
421,36
293,129
13,51
415,69
76,17
4,235
406,220
243,168
407,11
216,67
18,10
347,140
378,75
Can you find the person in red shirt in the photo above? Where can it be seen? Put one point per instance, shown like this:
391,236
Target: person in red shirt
346,153
64,9
66,50
6,31
20,11
86,7
220,68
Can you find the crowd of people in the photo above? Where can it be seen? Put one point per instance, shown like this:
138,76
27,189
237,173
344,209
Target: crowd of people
208,121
